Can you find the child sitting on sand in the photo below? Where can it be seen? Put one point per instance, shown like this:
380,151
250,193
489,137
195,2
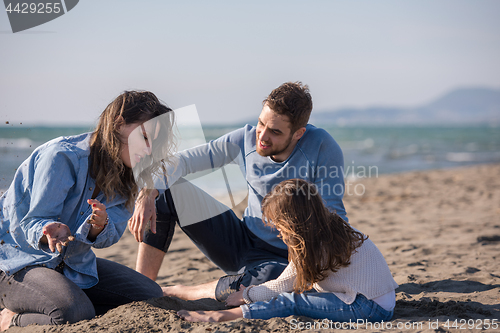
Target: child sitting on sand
335,272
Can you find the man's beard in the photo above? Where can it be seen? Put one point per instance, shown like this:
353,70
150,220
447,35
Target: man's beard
274,150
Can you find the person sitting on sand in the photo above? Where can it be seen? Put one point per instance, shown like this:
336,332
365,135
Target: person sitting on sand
335,271
74,193
282,146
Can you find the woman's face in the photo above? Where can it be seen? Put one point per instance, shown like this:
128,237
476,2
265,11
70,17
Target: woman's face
136,141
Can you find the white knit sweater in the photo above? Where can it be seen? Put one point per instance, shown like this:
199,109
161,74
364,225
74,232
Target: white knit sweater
368,274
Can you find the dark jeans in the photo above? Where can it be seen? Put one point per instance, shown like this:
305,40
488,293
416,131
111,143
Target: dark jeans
46,297
226,241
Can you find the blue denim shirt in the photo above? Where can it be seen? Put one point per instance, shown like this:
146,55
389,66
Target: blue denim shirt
53,185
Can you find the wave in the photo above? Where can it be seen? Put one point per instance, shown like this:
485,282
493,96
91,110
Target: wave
18,143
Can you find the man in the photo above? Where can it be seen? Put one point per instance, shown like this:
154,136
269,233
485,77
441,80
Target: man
281,146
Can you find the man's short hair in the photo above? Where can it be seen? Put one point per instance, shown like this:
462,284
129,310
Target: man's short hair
293,100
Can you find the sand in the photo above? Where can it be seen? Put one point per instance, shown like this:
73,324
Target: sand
438,230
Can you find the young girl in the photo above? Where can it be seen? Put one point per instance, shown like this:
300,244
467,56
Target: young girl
71,194
334,271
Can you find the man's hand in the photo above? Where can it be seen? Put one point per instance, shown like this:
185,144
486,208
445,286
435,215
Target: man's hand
56,235
236,298
144,212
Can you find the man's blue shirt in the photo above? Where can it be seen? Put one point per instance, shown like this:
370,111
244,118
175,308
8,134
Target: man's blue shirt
316,158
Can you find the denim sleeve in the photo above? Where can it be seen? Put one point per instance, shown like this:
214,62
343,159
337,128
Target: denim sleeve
55,172
118,216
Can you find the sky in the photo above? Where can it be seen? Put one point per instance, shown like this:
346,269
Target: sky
225,57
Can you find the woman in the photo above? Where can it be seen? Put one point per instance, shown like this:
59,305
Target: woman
334,271
71,194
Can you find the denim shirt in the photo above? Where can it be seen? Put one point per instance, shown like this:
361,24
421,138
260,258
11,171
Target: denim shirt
53,185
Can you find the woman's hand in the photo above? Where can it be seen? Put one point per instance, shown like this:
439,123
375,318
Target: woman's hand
99,219
56,235
236,298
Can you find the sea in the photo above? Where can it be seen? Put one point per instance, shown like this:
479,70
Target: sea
368,151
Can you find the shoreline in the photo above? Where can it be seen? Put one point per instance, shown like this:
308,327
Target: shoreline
353,179
439,231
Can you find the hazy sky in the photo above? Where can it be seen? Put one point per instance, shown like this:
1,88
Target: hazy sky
226,56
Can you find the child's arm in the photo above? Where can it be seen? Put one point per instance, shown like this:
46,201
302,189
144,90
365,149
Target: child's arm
266,291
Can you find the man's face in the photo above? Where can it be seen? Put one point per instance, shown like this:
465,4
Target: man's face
274,136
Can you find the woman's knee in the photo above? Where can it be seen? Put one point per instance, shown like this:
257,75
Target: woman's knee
71,308
42,291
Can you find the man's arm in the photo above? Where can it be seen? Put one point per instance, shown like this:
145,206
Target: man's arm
210,156
329,175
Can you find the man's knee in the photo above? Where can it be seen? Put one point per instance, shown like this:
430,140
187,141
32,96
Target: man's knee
166,218
163,236
165,208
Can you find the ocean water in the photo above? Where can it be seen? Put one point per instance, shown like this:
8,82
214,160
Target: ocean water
368,151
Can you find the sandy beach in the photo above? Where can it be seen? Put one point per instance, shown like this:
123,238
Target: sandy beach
438,230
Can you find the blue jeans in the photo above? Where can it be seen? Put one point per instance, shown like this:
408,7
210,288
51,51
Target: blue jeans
317,306
44,296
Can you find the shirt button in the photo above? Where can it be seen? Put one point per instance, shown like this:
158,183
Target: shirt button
90,188
81,213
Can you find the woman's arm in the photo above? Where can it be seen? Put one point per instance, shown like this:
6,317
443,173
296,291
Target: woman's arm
113,226
54,174
98,220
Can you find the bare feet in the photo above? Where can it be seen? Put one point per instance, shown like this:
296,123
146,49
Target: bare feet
211,316
191,293
187,293
5,318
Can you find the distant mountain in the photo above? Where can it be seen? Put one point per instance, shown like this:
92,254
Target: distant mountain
465,106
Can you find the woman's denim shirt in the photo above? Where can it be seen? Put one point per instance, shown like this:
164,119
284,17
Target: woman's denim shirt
54,184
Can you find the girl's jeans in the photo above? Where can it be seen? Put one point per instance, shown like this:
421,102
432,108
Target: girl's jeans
317,306
46,297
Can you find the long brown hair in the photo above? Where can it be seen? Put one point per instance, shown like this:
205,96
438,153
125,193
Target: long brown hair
105,164
318,240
